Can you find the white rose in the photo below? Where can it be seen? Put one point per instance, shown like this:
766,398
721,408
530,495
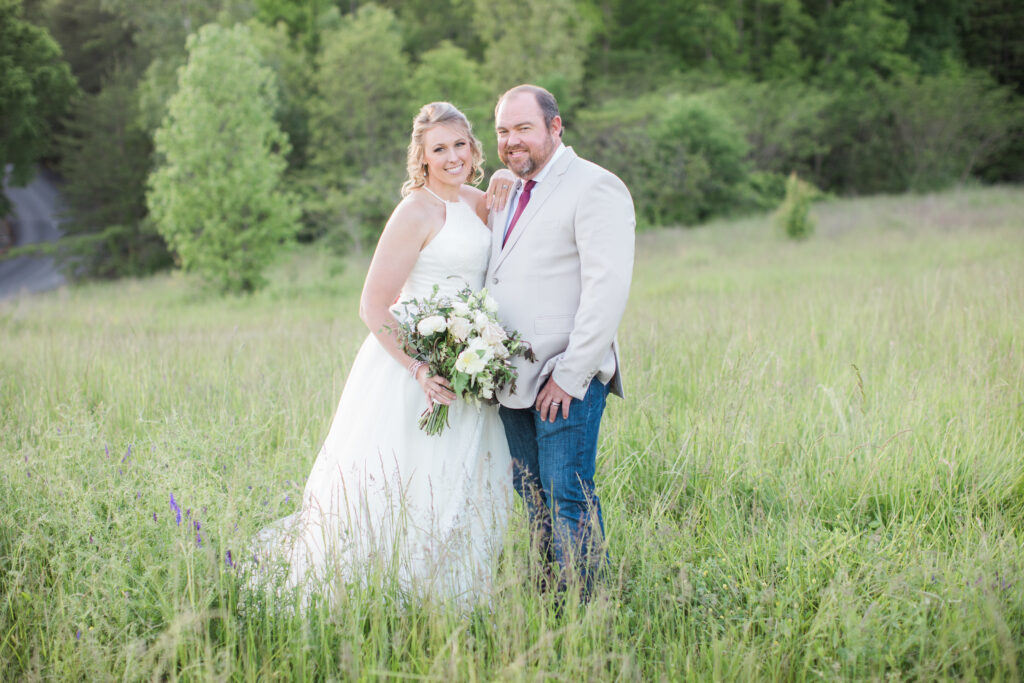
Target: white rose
486,386
481,348
500,351
459,327
493,333
431,325
460,308
470,362
490,305
481,321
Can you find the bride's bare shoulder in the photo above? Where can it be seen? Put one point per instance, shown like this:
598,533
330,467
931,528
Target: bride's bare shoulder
477,200
471,194
415,213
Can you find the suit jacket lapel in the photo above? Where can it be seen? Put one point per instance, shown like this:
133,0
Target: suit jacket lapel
499,219
541,193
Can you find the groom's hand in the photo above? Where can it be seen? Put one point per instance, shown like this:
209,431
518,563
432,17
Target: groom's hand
499,189
550,399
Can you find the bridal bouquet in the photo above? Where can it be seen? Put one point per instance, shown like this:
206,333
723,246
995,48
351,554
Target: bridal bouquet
460,338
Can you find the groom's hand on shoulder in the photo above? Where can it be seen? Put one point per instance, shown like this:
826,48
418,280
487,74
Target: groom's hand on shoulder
551,400
499,189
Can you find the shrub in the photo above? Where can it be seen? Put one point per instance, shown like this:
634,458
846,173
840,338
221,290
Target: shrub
794,215
682,157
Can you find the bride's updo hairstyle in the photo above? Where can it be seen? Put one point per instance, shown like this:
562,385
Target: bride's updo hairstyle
434,114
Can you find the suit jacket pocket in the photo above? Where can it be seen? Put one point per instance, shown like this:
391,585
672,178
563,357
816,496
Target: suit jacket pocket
553,324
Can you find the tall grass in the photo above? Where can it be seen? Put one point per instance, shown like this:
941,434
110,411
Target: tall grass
818,472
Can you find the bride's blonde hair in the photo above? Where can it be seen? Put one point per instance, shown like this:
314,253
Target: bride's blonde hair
433,114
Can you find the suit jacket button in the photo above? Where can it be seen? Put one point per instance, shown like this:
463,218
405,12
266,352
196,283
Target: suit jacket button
494,281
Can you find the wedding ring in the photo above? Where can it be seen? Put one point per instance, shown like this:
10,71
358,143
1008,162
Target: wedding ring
556,403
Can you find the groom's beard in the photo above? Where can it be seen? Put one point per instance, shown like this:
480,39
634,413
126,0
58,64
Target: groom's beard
527,166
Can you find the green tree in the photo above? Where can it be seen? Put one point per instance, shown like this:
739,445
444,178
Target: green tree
35,88
682,157
300,17
159,30
934,29
105,163
864,44
992,40
778,39
93,40
697,138
520,47
447,73
425,24
359,127
783,121
948,124
294,76
700,33
216,196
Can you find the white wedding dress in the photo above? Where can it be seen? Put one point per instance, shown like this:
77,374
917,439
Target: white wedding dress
384,500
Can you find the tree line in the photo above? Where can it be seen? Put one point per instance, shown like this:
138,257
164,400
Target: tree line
703,108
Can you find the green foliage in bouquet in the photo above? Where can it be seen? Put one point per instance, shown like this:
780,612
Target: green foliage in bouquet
460,339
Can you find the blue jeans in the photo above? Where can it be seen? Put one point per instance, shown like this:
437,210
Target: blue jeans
553,470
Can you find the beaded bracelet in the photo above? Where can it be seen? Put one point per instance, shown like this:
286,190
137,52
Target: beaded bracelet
415,366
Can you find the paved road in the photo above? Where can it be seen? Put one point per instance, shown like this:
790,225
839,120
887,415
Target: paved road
36,210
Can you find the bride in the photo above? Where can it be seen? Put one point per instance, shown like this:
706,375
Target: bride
385,500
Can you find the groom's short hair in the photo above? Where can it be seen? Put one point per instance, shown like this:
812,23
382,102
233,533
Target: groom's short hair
545,100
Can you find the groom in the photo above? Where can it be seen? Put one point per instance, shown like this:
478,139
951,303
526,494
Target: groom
560,268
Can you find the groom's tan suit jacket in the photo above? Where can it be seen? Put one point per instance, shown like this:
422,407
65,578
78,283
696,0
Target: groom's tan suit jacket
563,277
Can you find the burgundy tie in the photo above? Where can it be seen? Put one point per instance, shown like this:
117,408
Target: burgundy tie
523,201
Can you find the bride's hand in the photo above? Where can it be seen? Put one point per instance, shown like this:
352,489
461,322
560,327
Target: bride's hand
499,189
437,389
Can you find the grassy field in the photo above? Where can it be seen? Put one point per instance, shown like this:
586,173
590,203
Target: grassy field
818,472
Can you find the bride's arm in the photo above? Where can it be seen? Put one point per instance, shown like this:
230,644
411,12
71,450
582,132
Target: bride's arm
393,260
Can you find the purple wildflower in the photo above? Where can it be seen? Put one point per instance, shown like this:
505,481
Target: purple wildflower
78,634
154,516
175,509
227,560
196,525
287,498
106,449
188,513
199,540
